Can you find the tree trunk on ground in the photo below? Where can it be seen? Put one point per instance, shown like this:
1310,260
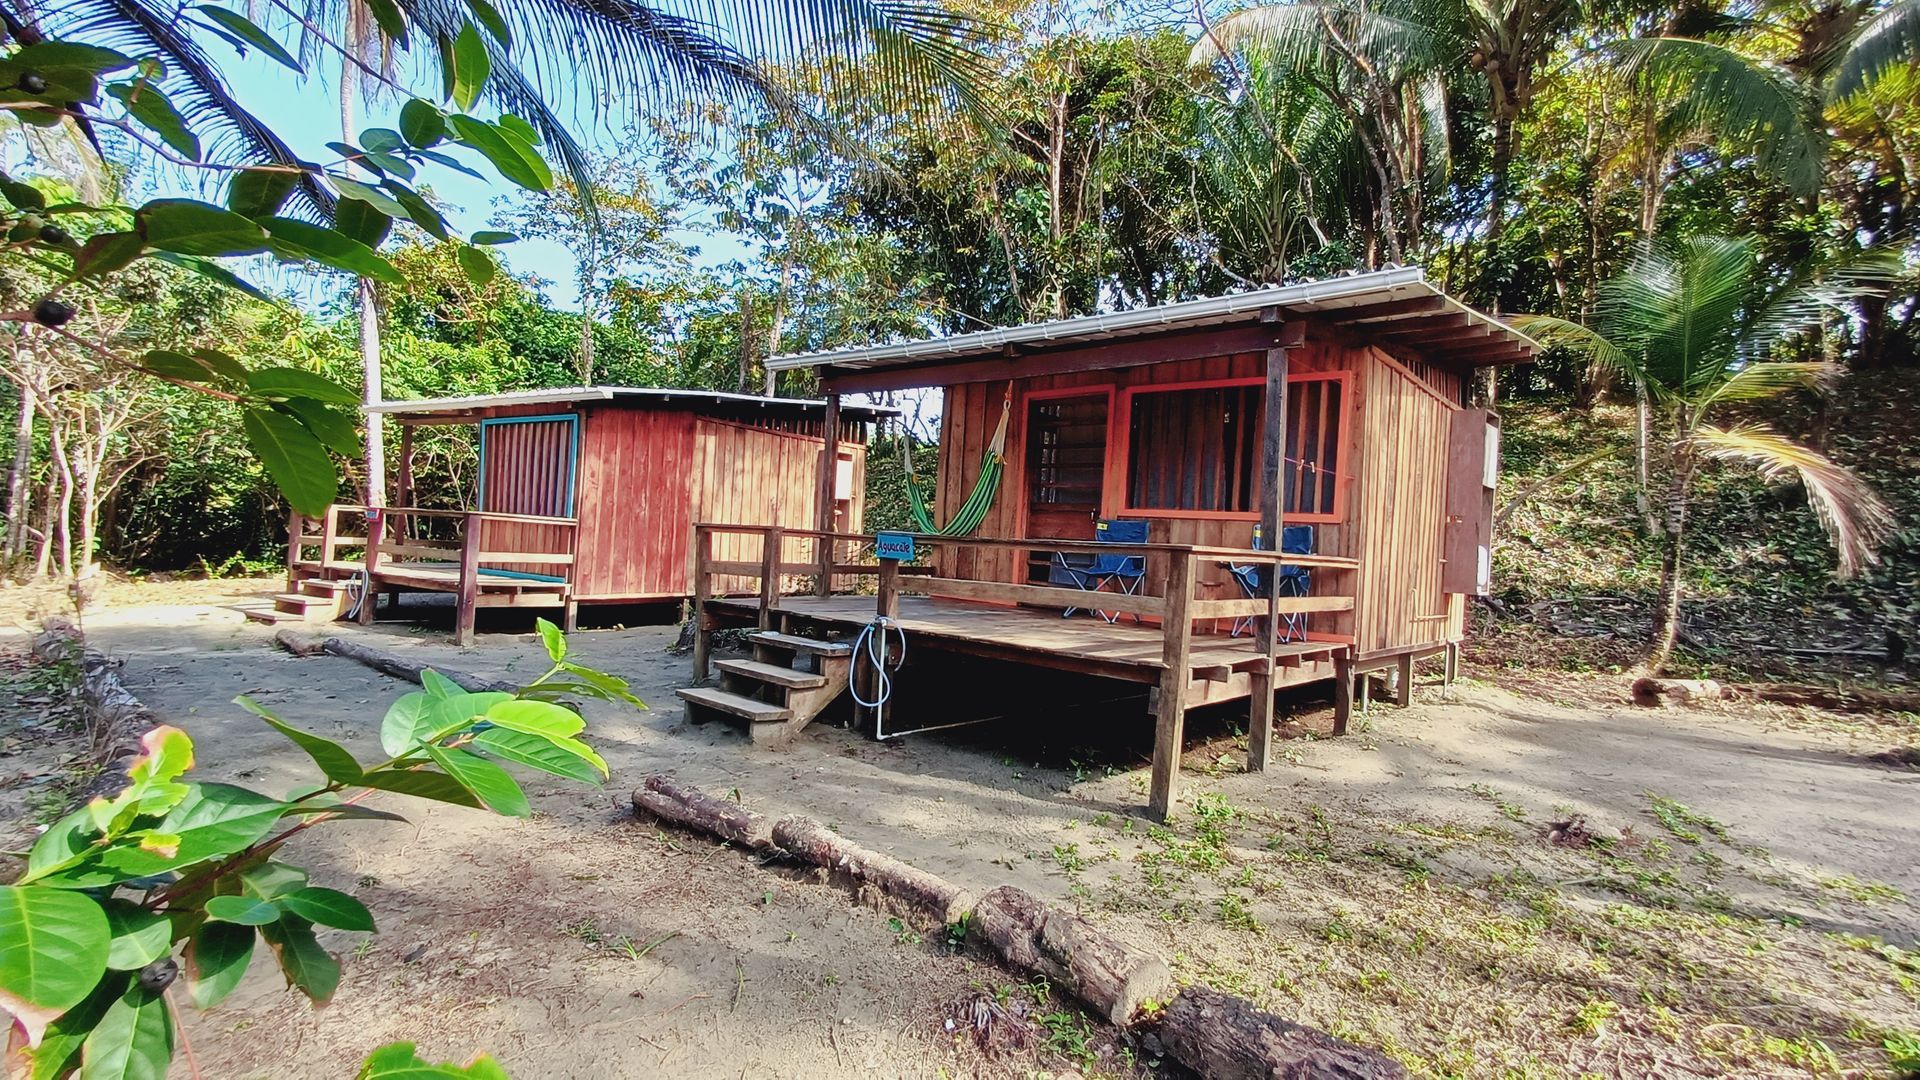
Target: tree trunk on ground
683,804
1223,1037
1093,967
921,892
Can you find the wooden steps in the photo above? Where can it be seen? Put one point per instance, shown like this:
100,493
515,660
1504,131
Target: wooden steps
789,681
320,600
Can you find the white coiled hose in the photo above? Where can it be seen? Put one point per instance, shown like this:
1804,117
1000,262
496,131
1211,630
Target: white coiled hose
870,647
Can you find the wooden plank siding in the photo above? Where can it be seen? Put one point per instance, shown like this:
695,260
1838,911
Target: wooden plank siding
1392,464
754,475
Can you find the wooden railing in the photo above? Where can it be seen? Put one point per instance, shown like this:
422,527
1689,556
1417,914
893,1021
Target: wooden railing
1174,567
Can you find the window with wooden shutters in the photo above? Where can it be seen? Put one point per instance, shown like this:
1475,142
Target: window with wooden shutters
527,465
1194,450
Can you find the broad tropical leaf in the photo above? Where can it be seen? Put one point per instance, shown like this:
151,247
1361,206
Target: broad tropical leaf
57,944
1855,518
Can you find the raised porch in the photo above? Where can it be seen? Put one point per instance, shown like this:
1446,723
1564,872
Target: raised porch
1175,637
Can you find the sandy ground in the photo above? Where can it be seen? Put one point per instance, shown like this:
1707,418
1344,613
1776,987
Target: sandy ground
1302,887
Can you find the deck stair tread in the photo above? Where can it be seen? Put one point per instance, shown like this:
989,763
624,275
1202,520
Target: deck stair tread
759,712
801,644
302,600
772,673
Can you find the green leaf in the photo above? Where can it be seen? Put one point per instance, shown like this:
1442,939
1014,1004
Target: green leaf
467,66
421,123
243,910
449,161
609,687
215,272
357,220
139,936
258,38
213,821
57,944
344,810
393,24
536,752
191,227
132,1041
258,193
438,685
332,427
51,55
485,779
406,723
489,237
217,958
295,459
335,761
23,196
145,103
542,718
398,1061
420,211
489,17
423,784
553,639
384,140
367,193
59,1050
175,366
515,126
103,253
328,907
272,880
303,240
478,265
288,382
221,364
302,960
511,155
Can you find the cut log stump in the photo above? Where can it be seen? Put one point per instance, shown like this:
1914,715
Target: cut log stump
922,893
1111,978
1223,1037
670,800
1651,693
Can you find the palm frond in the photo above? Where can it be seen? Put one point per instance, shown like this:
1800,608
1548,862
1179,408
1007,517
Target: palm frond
1716,93
1855,519
1302,34
231,133
1677,307
1818,294
1889,38
1770,379
1557,333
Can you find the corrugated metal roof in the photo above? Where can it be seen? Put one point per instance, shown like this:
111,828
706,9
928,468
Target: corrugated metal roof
1329,298
568,395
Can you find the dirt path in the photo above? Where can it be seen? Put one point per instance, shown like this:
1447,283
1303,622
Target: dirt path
1718,909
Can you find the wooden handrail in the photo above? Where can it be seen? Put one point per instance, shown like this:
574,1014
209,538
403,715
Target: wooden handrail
1073,547
483,515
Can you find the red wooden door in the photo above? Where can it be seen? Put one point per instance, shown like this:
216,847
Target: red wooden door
1066,470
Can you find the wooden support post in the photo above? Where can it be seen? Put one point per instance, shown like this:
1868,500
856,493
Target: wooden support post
1260,683
329,538
823,484
403,493
702,592
772,541
469,580
1170,712
889,605
1342,692
296,524
570,615
1403,681
376,523
1450,664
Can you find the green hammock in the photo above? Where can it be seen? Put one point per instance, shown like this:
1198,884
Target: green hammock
985,489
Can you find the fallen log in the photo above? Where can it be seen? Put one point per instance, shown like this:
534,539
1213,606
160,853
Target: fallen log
383,662
1831,698
1223,1037
1099,970
116,719
670,800
933,897
1652,693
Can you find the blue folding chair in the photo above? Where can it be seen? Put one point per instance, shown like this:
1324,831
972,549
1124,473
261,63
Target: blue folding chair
1292,581
1092,573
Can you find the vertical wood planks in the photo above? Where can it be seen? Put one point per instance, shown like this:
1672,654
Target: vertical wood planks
1169,729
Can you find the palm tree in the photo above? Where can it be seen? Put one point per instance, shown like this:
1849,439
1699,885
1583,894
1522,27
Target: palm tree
1696,324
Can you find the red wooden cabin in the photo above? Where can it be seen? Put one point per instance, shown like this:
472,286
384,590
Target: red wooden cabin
585,496
1343,405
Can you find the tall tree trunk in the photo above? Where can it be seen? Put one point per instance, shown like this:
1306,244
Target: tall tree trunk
1666,615
1642,458
369,307
589,309
18,489
746,341
777,325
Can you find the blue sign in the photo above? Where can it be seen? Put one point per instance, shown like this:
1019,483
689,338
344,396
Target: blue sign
893,546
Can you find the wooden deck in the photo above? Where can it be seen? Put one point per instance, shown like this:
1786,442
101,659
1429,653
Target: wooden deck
1041,638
